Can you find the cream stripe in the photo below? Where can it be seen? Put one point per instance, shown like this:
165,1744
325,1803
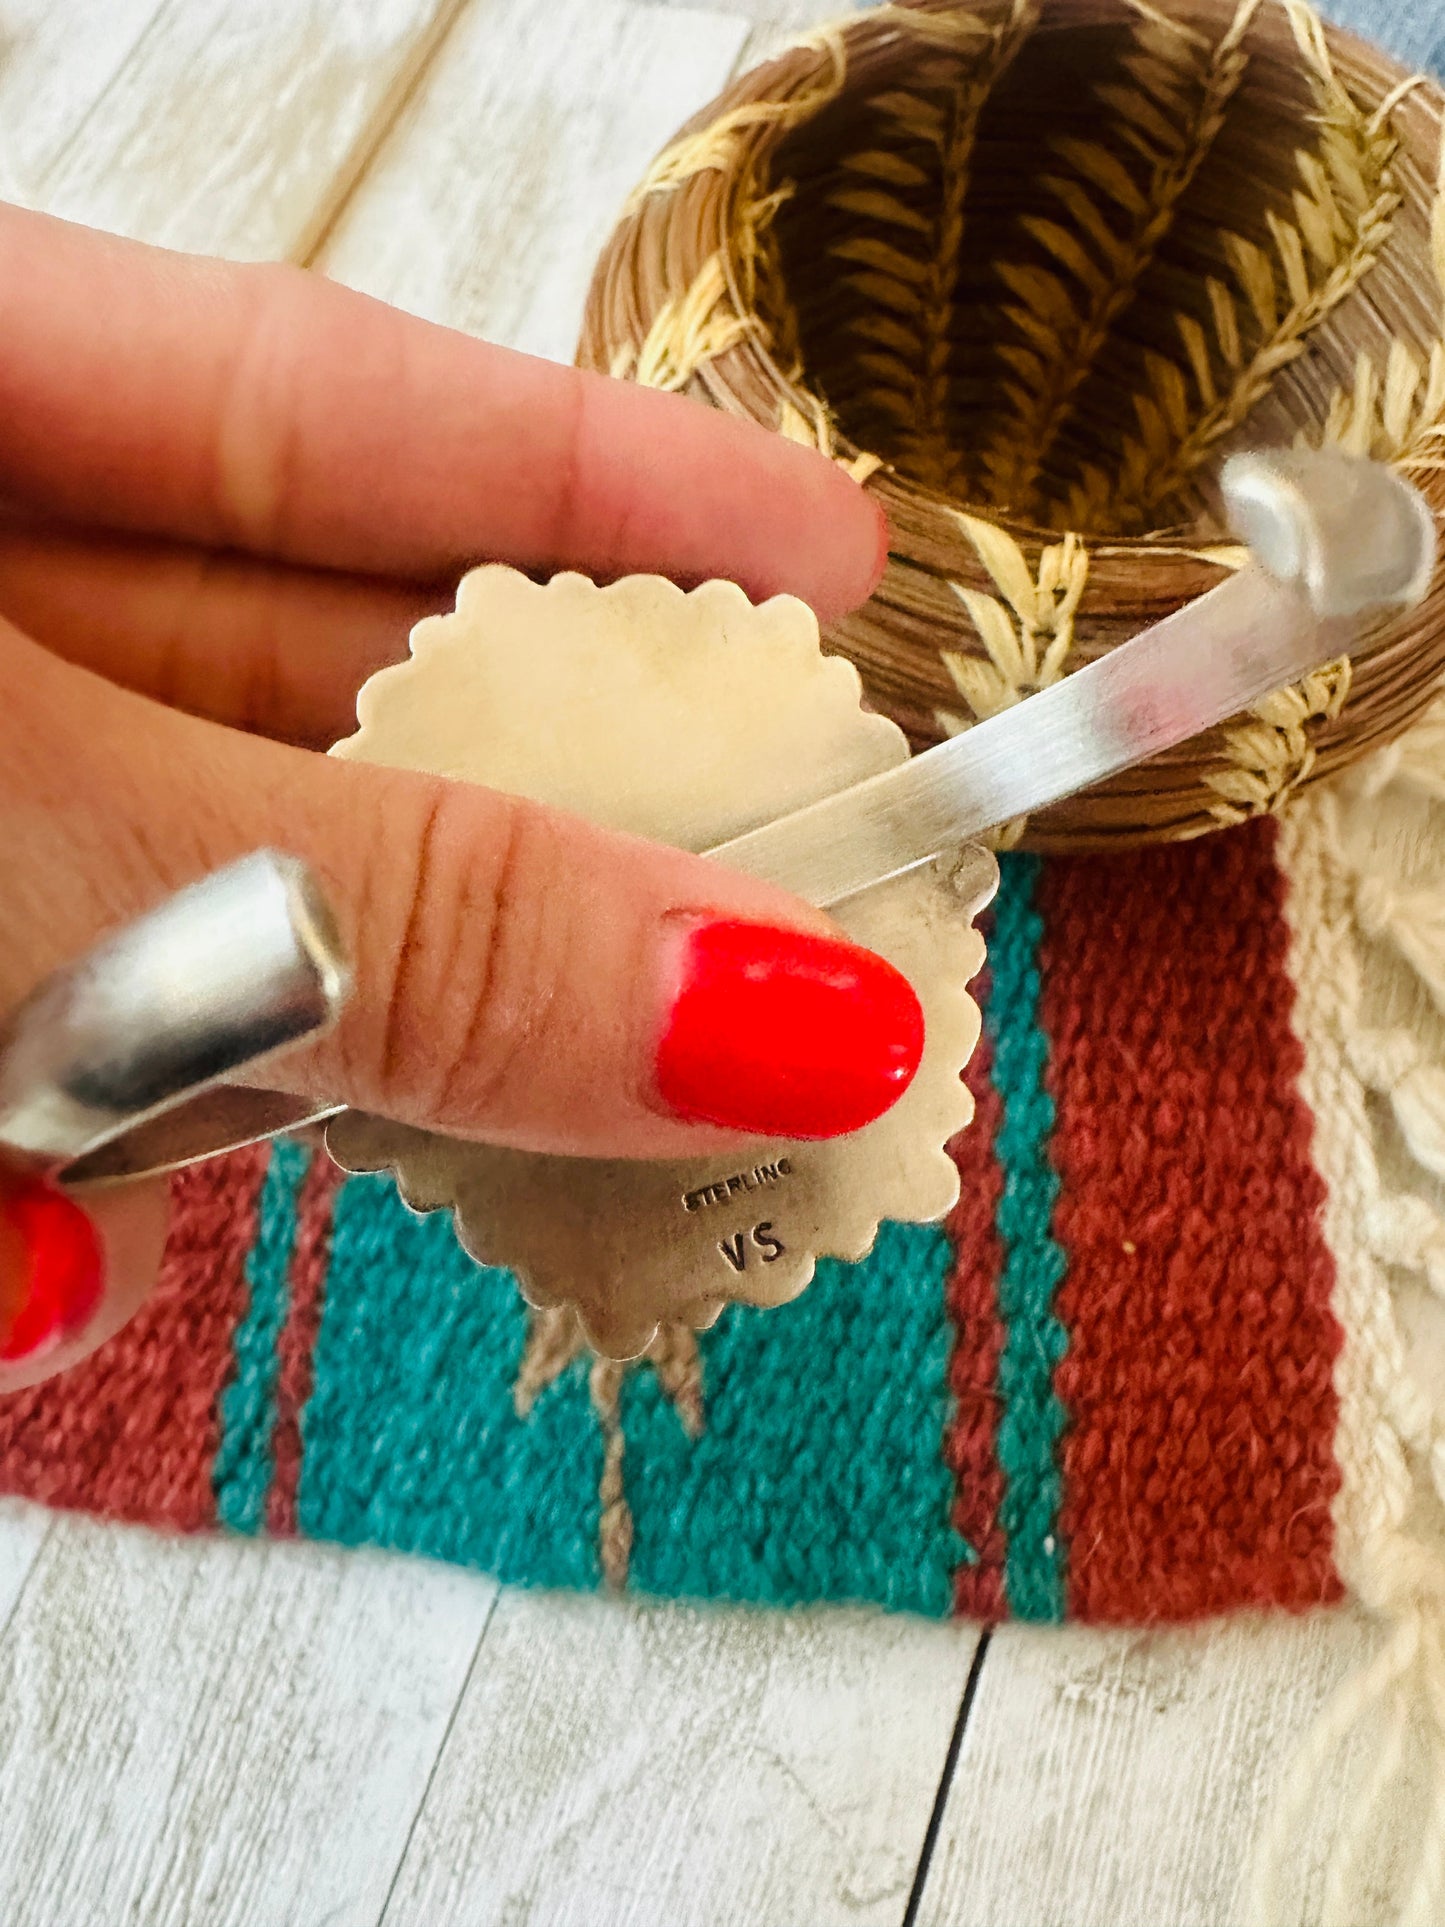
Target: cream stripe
1375,1494
1388,1511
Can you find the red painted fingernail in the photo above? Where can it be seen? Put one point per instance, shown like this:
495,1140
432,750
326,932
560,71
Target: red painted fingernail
786,1034
62,1268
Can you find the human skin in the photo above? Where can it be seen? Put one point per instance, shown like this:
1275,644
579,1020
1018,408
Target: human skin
226,493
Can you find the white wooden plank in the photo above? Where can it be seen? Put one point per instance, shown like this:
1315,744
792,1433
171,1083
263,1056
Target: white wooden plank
779,27
220,1732
238,126
491,200
776,27
616,1764
775,24
57,57
1122,1777
22,1533
771,12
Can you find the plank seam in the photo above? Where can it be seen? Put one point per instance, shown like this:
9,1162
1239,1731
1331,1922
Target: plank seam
352,169
440,1755
58,159
945,1779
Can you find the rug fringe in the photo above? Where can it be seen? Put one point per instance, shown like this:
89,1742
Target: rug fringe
1369,965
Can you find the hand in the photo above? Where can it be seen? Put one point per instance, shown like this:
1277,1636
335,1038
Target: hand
227,494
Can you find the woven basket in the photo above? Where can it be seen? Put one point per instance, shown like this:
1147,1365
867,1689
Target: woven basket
1030,271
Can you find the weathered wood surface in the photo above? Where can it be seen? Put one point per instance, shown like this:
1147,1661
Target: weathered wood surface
491,199
609,1766
1108,1779
233,126
219,1732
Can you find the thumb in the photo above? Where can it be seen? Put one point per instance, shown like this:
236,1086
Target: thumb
521,975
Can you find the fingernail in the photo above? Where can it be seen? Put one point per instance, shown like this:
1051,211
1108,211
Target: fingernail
62,1269
786,1034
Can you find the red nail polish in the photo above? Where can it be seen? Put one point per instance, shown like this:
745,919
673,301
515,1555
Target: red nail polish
786,1034
63,1268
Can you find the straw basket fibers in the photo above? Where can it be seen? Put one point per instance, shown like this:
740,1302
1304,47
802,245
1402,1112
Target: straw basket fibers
1030,269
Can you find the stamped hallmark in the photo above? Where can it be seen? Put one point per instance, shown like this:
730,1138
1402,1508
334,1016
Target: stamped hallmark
761,1239
736,1185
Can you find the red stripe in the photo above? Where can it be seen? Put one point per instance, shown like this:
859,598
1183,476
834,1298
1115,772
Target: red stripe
1198,1464
309,1260
132,1432
973,1369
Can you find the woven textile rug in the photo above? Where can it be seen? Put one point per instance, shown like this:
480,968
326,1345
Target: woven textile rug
1149,1370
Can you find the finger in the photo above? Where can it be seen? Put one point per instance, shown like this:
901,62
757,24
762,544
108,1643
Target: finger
72,1272
260,645
267,409
522,976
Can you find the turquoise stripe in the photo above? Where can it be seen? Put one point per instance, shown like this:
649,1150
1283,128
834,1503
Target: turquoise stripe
243,1467
1031,1418
412,1438
820,1471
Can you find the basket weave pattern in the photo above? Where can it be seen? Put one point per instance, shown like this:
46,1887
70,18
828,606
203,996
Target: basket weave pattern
1030,270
